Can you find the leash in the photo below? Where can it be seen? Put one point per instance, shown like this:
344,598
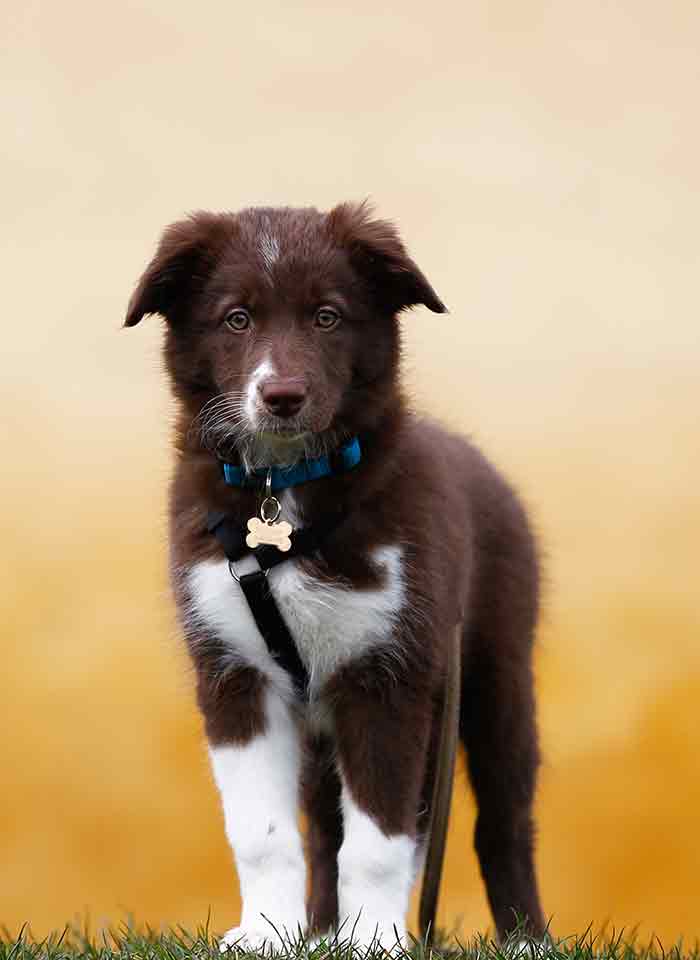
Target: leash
442,790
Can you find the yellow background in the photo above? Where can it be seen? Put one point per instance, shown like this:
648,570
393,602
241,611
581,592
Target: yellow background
542,160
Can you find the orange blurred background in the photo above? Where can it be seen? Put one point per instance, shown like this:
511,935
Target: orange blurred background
542,161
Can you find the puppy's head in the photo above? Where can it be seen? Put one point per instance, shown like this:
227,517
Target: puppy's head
282,331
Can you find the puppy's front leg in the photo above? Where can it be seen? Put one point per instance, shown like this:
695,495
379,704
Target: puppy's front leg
259,783
382,735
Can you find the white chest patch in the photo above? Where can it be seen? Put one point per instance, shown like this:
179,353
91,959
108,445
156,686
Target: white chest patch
331,624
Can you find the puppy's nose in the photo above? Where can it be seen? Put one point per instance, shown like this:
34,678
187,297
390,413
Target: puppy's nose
283,398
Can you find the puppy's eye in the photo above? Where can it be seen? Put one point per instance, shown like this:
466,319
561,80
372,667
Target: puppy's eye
237,320
327,318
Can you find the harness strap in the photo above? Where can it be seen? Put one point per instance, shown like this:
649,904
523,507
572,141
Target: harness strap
230,536
305,541
274,630
256,588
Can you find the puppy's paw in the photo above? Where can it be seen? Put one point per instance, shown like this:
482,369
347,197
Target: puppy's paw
315,940
244,937
370,935
528,948
259,936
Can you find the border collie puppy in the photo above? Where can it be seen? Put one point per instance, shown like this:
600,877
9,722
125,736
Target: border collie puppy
282,343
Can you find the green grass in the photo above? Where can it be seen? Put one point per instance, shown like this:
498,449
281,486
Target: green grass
128,942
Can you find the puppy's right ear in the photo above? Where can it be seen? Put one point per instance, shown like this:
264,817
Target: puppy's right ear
185,256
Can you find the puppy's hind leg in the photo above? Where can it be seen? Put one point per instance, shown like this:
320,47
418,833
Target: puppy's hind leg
498,729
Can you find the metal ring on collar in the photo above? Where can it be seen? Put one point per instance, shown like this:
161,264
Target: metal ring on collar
270,504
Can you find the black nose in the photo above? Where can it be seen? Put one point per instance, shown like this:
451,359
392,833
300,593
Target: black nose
283,398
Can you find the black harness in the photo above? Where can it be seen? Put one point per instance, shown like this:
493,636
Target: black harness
256,588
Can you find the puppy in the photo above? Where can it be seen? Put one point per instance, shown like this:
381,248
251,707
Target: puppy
320,652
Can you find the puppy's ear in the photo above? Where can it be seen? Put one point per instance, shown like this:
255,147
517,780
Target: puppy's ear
185,256
377,252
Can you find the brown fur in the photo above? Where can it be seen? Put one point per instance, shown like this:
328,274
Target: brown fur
469,554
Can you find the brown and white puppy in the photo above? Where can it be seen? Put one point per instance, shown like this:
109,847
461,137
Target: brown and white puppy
282,341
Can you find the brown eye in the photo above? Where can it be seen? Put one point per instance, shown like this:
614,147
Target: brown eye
237,320
327,318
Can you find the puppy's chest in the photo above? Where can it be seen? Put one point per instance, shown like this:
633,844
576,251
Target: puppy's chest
331,623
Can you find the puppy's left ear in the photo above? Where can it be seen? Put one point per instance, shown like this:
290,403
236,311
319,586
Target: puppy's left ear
377,252
185,256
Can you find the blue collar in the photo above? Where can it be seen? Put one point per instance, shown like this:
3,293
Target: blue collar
342,459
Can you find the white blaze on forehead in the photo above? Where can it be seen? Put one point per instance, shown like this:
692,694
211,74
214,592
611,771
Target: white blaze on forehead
258,376
269,247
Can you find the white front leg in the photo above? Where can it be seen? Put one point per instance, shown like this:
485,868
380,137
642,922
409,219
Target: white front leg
259,785
375,876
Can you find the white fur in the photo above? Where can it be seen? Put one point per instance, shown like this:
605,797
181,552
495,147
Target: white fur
262,372
375,876
259,785
527,948
269,247
330,623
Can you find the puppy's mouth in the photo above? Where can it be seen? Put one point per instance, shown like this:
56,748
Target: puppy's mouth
228,432
284,434
283,441
307,423
280,427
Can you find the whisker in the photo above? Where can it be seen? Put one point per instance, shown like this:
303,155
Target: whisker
221,420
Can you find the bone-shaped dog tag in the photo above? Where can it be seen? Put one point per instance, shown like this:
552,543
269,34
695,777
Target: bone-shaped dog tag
276,534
